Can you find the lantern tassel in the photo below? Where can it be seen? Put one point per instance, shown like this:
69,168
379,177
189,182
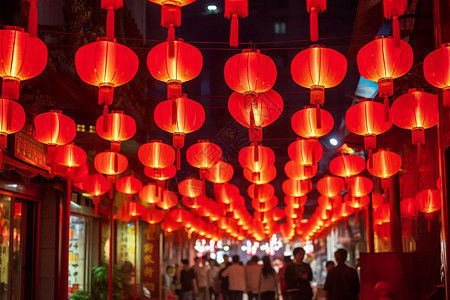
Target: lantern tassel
396,31
105,119
234,31
386,108
256,153
105,95
51,152
419,154
313,25
173,89
178,159
170,15
171,40
115,146
32,18
11,88
370,159
318,117
110,24
96,201
356,217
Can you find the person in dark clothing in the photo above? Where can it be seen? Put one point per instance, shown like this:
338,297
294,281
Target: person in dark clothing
342,281
187,280
297,277
224,283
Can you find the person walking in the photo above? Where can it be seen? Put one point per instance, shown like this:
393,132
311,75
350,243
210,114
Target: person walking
286,261
342,281
268,280
236,277
201,274
213,280
167,282
187,280
298,276
252,271
224,283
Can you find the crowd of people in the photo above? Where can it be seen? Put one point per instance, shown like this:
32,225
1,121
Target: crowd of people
207,280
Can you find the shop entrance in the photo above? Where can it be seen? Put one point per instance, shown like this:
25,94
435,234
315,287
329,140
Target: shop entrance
18,244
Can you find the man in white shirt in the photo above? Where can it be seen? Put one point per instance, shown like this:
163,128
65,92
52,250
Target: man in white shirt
213,280
236,277
201,274
252,272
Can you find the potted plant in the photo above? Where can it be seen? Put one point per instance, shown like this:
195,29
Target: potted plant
100,283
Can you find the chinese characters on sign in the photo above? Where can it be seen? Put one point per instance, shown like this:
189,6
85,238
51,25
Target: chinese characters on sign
150,259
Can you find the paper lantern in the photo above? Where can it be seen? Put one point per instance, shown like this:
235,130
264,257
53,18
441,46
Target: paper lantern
384,164
356,202
184,65
108,65
330,186
295,202
156,155
256,157
221,172
96,185
416,111
315,7
393,9
203,155
265,206
382,214
329,203
298,171
134,209
436,69
347,165
194,203
428,201
306,152
168,200
296,188
80,174
262,177
250,72
150,194
261,192
128,185
160,174
359,186
116,127
408,207
12,120
318,68
234,10
227,193
110,163
306,124
22,57
377,200
191,187
265,109
179,116
367,119
70,156
153,216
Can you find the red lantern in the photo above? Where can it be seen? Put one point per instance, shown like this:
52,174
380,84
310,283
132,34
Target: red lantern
128,185
221,172
80,174
22,56
153,216
384,164
227,193
96,185
306,152
184,65
329,203
181,215
296,188
408,207
265,108
357,202
191,188
133,209
149,193
382,214
298,171
308,124
12,120
317,68
203,155
263,177
416,111
295,202
160,174
119,127
377,200
156,155
347,165
195,203
367,119
106,64
315,7
262,192
382,62
428,201
179,116
436,69
393,9
110,163
235,9
168,200
256,157
359,186
330,186
265,206
70,156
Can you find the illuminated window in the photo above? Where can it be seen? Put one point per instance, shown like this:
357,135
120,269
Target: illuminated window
81,127
279,27
92,129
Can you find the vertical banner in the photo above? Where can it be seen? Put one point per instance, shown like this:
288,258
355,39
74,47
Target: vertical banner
151,267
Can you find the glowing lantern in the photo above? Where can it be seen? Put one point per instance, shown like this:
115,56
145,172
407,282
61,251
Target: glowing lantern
436,69
367,119
377,200
428,201
315,7
156,155
307,124
384,164
408,207
382,214
262,177
195,203
22,56
359,186
221,172
179,116
170,226
393,9
347,165
306,152
203,155
265,108
96,185
80,174
235,9
160,174
153,216
106,64
298,171
168,200
256,158
318,68
184,65
382,62
416,111
265,206
261,192
296,188
227,193
149,193
357,202
70,156
180,215
329,203
119,127
278,214
191,187
12,120
110,163
330,186
134,209
295,202
128,185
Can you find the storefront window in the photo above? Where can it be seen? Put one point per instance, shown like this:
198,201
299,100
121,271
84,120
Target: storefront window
77,254
5,229
16,259
126,241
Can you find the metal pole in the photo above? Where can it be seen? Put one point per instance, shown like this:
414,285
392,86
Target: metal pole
65,243
111,236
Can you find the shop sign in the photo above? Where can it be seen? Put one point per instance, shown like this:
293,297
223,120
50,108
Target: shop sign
151,268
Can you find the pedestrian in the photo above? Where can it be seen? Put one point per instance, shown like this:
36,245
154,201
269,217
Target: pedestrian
224,283
213,280
167,282
342,281
298,276
329,265
177,280
236,277
252,271
286,261
187,280
224,264
268,280
201,274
